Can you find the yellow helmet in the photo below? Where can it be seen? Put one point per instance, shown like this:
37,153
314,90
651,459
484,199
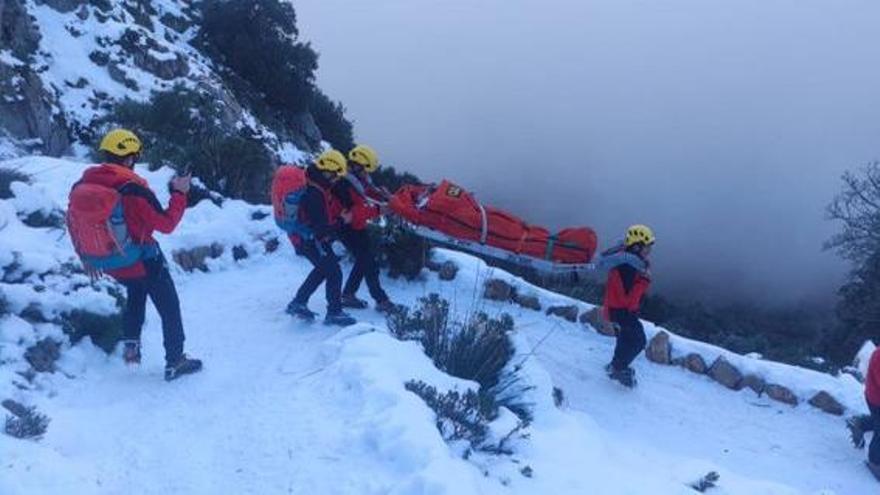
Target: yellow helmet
121,142
365,156
332,161
639,234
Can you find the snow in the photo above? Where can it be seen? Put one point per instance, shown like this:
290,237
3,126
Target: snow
288,407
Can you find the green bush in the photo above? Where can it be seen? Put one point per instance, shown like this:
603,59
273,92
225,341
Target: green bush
399,250
391,179
257,40
180,129
479,349
28,424
330,118
105,331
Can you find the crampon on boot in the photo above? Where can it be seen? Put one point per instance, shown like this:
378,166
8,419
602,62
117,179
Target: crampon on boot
339,319
856,428
184,365
626,376
387,307
301,311
351,301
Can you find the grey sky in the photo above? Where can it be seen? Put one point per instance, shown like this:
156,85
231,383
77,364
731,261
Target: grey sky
723,124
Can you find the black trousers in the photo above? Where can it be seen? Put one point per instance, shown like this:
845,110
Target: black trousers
365,267
325,269
631,338
159,286
872,423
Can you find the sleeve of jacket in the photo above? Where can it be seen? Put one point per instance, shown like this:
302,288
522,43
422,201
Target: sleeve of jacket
151,212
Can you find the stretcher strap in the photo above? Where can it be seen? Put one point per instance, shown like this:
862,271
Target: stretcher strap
484,235
551,243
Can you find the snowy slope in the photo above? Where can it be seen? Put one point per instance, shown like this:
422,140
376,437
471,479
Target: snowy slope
285,407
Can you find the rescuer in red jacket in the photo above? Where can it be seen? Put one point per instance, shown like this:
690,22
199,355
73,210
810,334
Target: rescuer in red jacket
147,274
860,424
361,199
628,280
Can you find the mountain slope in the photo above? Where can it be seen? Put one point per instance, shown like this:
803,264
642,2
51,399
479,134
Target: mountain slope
287,407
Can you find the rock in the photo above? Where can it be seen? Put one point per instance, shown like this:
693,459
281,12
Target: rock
272,245
179,24
726,374
754,382
570,313
43,355
16,408
99,58
498,290
65,6
659,349
33,313
594,318
695,363
18,30
781,394
26,109
528,301
194,259
826,402
119,75
239,253
448,271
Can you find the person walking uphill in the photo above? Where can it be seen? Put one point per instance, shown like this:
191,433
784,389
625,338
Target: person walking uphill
111,218
860,424
358,196
628,280
320,217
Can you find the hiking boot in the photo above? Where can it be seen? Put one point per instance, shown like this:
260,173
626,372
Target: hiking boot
351,301
339,319
856,428
300,310
387,307
131,352
185,365
626,376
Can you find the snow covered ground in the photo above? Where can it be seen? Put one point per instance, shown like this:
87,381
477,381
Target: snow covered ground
286,407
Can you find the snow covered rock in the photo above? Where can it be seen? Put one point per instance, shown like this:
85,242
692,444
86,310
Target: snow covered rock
567,312
694,363
194,259
781,393
659,349
43,355
498,290
826,402
754,382
528,301
448,271
726,374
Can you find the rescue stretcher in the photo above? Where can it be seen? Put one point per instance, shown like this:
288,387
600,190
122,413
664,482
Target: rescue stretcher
450,216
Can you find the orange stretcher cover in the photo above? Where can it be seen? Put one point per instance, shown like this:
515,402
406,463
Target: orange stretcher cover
455,212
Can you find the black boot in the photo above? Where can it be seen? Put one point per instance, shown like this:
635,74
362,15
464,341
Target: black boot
183,366
351,301
300,310
626,376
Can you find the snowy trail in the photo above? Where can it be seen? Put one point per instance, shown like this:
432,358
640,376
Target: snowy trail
677,413
277,411
257,360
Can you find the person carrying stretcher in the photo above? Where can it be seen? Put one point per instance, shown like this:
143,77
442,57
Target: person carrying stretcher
364,202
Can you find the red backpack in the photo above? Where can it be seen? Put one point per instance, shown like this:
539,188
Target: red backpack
288,188
96,222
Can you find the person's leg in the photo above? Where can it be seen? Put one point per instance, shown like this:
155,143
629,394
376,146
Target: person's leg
630,341
329,266
315,277
135,310
163,293
352,243
370,269
874,448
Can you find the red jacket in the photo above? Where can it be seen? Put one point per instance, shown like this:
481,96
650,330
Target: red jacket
872,381
319,210
143,212
625,289
356,202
